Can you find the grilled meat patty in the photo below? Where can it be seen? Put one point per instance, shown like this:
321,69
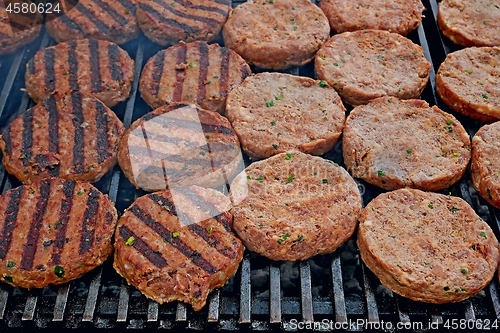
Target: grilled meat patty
395,143
470,23
276,34
91,66
399,16
274,112
69,135
192,73
467,81
17,30
427,246
367,64
178,245
179,145
293,206
111,20
168,22
52,231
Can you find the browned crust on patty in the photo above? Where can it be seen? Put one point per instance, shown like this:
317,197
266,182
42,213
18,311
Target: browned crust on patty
273,113
276,34
17,30
367,64
467,81
91,66
426,246
293,206
178,245
192,73
52,231
485,164
399,16
470,23
179,145
111,20
168,22
394,144
69,135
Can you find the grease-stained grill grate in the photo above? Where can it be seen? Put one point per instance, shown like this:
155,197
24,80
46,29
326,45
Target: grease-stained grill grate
264,295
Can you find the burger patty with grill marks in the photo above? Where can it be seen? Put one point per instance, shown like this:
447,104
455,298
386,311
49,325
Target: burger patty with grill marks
52,231
112,20
69,135
192,73
91,66
178,245
168,22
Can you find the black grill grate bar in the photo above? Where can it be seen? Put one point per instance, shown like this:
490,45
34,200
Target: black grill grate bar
10,80
404,316
129,110
90,304
123,301
469,313
245,290
494,297
4,294
338,289
181,312
61,301
306,291
274,293
30,306
153,311
213,306
436,316
427,53
371,303
435,10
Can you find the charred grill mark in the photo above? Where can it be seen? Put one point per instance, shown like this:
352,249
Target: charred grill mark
224,72
179,73
179,13
202,76
155,170
171,139
118,18
245,71
128,5
36,225
212,9
172,158
176,242
194,125
157,72
114,62
8,141
62,224
79,136
50,76
31,66
73,66
168,21
89,218
154,257
223,2
102,131
53,131
95,74
27,137
103,28
10,220
70,23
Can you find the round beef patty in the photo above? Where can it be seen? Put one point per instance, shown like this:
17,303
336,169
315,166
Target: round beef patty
72,136
400,16
17,30
276,34
53,231
394,144
91,66
111,20
273,113
179,145
367,64
485,163
293,206
192,73
468,80
168,22
470,23
178,245
426,246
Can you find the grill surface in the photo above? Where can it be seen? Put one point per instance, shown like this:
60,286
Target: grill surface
264,295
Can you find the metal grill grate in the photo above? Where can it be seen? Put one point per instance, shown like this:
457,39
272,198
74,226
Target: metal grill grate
264,295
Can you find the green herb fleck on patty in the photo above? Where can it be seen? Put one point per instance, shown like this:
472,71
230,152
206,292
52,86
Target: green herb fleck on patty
59,271
380,173
130,241
291,178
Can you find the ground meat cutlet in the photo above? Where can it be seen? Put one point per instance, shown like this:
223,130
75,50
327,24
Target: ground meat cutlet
468,80
399,16
427,246
470,23
394,144
293,206
274,113
53,231
192,73
91,66
69,135
367,64
178,245
168,22
111,20
276,34
179,145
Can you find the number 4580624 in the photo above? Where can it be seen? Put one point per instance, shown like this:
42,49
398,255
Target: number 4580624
33,8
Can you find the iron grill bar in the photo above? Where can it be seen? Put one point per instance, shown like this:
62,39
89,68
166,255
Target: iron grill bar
245,291
4,294
181,312
274,293
129,110
306,291
91,302
153,311
427,53
213,306
436,316
30,306
435,10
123,302
338,289
10,80
61,301
494,297
470,315
371,303
404,316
